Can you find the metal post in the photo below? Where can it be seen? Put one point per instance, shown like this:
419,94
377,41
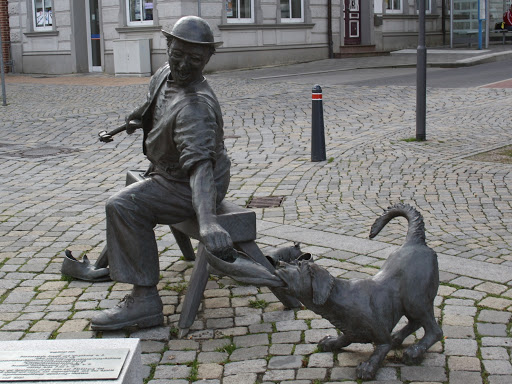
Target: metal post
329,29
487,27
451,23
199,8
479,15
421,77
4,98
317,126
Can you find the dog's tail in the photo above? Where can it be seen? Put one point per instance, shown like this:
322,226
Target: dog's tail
416,230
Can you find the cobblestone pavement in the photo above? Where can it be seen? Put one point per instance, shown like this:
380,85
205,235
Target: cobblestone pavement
56,177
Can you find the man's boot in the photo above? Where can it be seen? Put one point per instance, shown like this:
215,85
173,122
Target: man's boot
142,308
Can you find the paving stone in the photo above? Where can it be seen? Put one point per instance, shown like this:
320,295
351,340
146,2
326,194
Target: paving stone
220,323
202,335
279,374
466,282
460,347
38,336
155,333
499,379
209,371
9,336
178,357
286,337
291,325
244,367
488,329
492,288
311,373
285,362
459,310
458,332
321,323
315,335
462,377
242,378
217,302
498,367
150,358
251,340
249,320
495,303
281,349
250,353
492,316
494,353
497,341
343,373
423,374
321,360
272,317
172,372
73,326
434,360
456,363
303,349
467,293
458,320
212,357
207,345
182,345
260,328
244,291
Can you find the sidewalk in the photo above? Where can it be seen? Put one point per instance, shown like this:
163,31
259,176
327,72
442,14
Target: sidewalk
56,177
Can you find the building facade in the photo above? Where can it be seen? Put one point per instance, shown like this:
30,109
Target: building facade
124,36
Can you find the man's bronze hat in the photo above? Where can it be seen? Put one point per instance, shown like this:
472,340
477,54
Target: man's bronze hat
192,29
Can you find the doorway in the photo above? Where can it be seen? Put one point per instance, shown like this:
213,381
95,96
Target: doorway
93,35
352,13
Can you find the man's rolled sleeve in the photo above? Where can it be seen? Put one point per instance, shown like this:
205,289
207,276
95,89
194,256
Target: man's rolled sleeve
195,135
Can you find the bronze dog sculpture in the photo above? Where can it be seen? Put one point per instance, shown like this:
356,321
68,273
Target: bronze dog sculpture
367,310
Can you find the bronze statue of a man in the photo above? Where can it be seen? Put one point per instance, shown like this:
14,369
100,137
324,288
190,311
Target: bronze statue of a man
188,176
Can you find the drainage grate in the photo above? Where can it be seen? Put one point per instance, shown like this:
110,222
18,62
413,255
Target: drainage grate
265,202
42,152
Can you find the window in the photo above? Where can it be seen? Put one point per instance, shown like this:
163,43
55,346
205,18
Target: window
393,6
291,11
140,12
240,11
43,15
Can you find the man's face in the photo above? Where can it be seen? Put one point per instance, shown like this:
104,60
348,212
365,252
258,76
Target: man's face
187,61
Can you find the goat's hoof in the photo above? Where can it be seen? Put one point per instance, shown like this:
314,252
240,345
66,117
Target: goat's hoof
366,370
413,355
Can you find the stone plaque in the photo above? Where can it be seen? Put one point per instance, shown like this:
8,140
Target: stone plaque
86,364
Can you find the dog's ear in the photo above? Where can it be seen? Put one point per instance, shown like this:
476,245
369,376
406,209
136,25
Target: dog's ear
321,284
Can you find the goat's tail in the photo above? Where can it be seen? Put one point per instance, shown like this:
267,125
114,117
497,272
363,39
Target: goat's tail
416,230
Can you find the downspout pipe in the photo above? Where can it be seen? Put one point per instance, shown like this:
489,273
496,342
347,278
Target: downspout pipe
329,29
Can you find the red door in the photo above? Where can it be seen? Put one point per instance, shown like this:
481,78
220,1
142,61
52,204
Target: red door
352,22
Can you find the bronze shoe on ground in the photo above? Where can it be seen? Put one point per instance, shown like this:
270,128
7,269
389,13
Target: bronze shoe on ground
83,270
132,311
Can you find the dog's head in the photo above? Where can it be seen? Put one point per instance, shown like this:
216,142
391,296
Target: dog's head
306,281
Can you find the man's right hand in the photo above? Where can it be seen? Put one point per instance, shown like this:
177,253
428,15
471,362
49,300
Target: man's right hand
217,241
